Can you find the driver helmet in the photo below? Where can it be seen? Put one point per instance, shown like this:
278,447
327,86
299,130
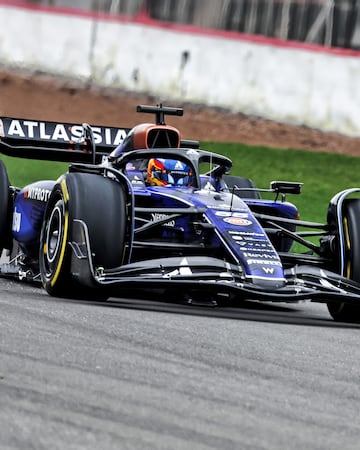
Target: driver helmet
168,172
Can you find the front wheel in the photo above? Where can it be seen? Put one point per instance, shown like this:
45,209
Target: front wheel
101,204
344,312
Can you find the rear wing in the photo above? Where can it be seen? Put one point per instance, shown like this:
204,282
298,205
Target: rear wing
66,142
56,141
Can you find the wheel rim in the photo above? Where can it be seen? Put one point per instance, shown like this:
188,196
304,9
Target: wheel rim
53,238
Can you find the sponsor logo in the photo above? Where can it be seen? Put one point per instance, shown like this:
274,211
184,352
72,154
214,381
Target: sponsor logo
248,233
36,193
265,262
269,270
223,206
260,255
230,214
158,216
252,242
249,247
16,224
238,221
62,132
179,165
2,133
256,246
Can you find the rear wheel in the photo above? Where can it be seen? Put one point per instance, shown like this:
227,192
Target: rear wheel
101,204
242,183
344,312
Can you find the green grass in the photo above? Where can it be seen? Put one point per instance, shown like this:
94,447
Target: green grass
24,171
323,174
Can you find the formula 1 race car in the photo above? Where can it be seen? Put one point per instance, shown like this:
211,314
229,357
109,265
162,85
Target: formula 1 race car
145,209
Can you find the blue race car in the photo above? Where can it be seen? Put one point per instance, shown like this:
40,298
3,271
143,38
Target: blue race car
144,209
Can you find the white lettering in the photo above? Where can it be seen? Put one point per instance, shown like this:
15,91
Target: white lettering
120,136
262,261
60,133
15,128
35,193
247,233
16,221
97,135
158,216
77,133
260,255
108,136
30,127
268,270
43,134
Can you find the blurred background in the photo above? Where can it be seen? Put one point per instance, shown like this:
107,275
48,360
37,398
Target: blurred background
331,23
301,65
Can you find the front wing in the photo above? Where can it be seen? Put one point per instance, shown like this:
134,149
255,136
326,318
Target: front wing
213,277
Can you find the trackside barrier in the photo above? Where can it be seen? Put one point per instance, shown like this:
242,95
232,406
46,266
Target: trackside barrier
266,78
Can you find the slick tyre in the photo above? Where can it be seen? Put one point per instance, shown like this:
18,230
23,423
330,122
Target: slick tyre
243,183
101,204
5,209
344,312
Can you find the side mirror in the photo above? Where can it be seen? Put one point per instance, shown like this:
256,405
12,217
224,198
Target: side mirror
286,187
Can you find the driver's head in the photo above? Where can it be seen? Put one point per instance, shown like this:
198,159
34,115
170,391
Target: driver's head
168,172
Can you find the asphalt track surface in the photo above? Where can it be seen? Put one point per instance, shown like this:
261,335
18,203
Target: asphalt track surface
147,375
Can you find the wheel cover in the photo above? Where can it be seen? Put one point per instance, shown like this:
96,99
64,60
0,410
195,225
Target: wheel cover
55,241
54,232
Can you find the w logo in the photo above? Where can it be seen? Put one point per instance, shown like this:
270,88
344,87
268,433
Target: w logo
268,270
